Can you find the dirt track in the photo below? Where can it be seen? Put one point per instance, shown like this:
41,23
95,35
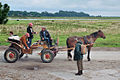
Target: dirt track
105,65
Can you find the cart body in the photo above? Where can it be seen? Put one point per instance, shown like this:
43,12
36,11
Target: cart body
16,50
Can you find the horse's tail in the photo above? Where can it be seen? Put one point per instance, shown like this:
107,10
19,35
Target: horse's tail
67,43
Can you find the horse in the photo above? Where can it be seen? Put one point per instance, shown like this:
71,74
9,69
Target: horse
88,39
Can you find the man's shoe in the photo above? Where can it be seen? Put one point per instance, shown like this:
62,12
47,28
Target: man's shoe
26,56
79,73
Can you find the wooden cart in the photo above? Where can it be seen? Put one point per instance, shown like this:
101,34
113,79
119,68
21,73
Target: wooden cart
16,51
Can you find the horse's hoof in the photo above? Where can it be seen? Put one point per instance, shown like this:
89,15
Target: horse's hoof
26,57
69,59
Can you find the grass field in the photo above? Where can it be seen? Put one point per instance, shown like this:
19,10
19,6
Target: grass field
64,17
66,28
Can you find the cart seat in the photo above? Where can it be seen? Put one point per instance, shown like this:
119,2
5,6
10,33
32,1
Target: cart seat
14,39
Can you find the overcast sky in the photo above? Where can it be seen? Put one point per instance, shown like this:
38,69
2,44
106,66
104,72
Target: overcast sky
93,7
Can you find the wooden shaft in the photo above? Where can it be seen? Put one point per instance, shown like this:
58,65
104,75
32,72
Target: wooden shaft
65,49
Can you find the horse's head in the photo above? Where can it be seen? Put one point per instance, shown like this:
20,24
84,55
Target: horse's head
101,34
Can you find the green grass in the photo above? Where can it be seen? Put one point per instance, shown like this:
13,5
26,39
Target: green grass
66,28
110,41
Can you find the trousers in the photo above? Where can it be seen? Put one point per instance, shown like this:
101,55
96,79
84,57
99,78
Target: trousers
30,42
80,64
49,42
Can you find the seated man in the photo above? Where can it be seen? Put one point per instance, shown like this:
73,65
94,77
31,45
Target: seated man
24,41
45,36
13,38
11,33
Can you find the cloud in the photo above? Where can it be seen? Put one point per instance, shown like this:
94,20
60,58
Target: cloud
95,7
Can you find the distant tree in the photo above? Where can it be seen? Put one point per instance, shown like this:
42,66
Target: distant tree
99,16
47,14
4,9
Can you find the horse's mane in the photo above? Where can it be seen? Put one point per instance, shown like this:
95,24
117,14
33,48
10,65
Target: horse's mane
94,34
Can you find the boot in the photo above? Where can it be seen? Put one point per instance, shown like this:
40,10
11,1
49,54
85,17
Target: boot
26,56
79,73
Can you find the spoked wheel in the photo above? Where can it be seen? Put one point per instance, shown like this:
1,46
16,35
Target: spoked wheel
47,56
11,55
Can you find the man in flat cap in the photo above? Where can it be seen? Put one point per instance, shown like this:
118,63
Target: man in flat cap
45,36
78,56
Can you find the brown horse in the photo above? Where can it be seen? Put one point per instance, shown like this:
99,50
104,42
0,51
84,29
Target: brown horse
71,41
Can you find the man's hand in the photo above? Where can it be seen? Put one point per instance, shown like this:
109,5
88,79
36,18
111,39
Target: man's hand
90,44
42,38
28,48
35,32
28,42
51,39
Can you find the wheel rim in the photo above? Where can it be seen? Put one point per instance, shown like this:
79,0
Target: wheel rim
11,56
47,56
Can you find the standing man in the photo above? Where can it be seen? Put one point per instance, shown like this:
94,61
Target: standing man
31,32
45,36
78,56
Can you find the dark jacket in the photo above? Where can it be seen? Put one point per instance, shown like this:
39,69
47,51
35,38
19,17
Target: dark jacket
47,35
77,52
30,31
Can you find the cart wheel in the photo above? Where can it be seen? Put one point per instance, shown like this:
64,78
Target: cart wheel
47,56
11,55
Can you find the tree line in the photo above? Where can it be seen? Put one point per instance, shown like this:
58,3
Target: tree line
47,14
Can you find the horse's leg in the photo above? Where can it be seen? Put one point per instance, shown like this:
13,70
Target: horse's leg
88,56
69,55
